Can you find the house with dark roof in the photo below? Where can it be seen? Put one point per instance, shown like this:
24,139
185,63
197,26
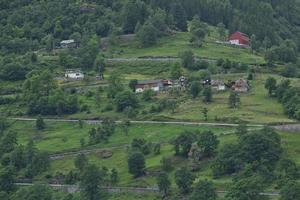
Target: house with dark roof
218,85
241,85
155,85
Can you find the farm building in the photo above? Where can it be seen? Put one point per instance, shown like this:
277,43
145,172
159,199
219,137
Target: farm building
74,74
66,44
218,85
155,85
241,85
239,39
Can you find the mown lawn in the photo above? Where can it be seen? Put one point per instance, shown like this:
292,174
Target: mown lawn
62,136
119,162
172,45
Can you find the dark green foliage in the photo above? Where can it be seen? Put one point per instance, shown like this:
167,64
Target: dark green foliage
184,180
207,94
36,161
290,71
269,22
114,85
176,71
286,52
234,99
40,163
290,191
183,143
8,142
259,147
3,126
81,162
44,97
166,164
18,158
204,190
198,30
13,71
91,180
270,85
114,176
262,146
195,89
205,113
163,183
241,129
88,52
7,180
288,170
141,145
147,34
148,95
136,164
125,125
35,192
187,59
103,132
132,84
133,12
246,189
125,99
179,15
208,143
156,149
40,124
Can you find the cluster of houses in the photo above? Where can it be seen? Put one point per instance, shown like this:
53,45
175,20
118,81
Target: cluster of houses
240,85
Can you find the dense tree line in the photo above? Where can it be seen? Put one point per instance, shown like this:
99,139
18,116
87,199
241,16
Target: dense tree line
29,25
43,96
285,94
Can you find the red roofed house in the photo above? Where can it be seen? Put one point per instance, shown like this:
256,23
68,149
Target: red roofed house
239,38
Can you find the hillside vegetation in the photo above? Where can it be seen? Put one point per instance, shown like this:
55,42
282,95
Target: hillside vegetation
149,99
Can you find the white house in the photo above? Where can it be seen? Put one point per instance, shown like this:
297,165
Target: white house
65,44
74,74
155,85
218,85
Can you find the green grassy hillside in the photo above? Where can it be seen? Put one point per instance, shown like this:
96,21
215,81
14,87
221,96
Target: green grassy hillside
172,45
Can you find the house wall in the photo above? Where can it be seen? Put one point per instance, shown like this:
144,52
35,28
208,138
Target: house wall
74,75
235,42
140,89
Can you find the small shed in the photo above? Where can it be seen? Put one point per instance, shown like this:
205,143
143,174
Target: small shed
67,44
74,74
241,85
218,85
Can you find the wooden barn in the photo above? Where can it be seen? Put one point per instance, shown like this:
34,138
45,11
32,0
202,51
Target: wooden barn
239,38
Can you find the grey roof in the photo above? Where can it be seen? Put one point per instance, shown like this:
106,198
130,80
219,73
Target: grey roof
145,82
67,41
217,82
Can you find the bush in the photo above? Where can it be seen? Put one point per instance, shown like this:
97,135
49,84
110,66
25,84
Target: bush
126,99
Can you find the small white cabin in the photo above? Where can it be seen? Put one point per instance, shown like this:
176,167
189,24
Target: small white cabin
65,44
74,74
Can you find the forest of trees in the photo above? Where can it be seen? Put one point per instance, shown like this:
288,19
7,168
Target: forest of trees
31,24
